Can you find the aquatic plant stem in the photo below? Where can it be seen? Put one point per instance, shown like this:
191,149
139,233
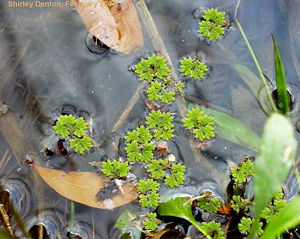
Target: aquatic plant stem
129,106
254,57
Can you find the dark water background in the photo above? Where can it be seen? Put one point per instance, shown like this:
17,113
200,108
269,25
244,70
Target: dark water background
57,70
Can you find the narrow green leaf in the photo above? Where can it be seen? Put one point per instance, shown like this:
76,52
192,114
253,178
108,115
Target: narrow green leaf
286,219
272,166
282,95
234,130
178,208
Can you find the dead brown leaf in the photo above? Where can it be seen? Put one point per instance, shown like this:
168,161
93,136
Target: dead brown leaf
82,187
118,28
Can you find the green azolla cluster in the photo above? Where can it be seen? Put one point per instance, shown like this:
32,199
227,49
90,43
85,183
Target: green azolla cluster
68,126
176,177
212,24
193,68
245,226
155,70
139,148
159,126
213,229
238,203
152,222
157,168
273,207
153,67
200,124
240,174
148,193
209,204
158,91
162,125
115,169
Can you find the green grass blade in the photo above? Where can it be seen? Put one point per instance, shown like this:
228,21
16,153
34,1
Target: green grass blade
286,219
283,102
254,58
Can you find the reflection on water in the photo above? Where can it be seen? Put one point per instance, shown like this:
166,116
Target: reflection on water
49,65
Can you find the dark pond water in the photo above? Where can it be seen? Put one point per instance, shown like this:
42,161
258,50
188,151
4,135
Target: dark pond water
46,68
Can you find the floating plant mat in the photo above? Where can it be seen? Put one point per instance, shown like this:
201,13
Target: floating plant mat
51,65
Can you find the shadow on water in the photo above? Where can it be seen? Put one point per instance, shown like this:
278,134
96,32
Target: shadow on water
49,66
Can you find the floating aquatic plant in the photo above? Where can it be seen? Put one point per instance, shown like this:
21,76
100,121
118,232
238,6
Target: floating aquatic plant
213,229
209,204
246,225
153,67
151,222
158,91
242,172
162,125
176,177
157,167
139,148
68,126
115,169
193,68
200,124
212,24
148,193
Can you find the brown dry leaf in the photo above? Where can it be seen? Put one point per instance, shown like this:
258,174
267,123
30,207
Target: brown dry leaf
82,187
117,28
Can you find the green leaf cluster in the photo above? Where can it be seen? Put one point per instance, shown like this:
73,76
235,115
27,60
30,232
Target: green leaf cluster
209,204
179,87
213,229
212,24
81,144
243,171
246,224
148,193
139,148
158,91
273,207
67,126
200,124
157,167
193,68
153,67
238,203
162,125
151,222
115,169
176,177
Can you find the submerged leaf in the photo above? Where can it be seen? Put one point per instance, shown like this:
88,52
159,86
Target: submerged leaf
117,28
82,187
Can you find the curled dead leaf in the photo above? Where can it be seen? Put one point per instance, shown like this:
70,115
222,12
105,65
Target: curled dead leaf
83,187
115,26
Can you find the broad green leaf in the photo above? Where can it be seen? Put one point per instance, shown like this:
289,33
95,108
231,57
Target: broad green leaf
233,130
179,208
286,219
275,159
282,95
5,235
